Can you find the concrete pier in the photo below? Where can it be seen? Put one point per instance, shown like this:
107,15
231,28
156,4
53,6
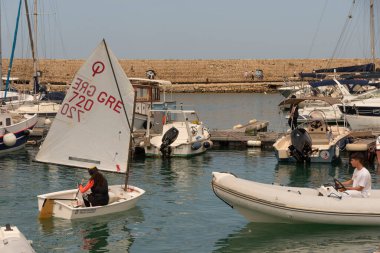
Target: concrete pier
234,75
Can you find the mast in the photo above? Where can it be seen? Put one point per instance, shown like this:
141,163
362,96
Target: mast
35,63
1,54
13,50
372,30
130,124
29,29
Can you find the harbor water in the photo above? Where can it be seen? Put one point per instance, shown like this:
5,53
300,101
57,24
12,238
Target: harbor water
179,212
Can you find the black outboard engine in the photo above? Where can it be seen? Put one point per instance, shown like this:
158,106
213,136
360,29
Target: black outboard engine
301,145
169,137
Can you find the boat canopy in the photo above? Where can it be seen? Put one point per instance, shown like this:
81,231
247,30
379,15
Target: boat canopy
152,82
353,82
329,100
370,67
370,75
312,75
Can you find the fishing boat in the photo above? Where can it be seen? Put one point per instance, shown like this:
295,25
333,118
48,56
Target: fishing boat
92,128
149,97
12,240
313,141
269,203
176,133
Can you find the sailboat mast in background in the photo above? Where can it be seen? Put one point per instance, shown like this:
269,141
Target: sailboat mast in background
372,30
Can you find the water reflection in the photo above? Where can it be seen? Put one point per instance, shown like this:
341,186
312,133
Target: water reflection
256,237
9,161
95,237
109,233
303,175
310,175
178,171
254,152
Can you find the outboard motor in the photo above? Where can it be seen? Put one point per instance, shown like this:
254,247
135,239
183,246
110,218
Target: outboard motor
301,145
169,137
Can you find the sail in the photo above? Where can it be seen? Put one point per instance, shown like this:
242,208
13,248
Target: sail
92,125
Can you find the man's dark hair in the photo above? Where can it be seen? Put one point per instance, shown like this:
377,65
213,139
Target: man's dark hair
358,156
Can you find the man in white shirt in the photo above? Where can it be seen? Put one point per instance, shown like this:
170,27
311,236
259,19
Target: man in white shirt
361,178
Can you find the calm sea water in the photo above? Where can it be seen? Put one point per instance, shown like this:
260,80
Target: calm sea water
179,212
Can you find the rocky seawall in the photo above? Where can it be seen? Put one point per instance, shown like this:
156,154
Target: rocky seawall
188,75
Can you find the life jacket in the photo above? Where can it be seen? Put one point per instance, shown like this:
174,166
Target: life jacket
100,191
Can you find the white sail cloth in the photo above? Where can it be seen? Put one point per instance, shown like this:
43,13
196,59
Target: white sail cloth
92,126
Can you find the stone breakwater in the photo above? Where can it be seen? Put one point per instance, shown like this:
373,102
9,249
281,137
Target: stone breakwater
187,75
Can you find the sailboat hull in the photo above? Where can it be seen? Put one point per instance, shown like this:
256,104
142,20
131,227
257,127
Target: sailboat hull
65,203
21,131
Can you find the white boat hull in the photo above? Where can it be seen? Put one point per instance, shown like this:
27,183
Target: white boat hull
21,131
183,150
12,241
362,122
281,204
67,209
321,154
44,111
325,148
193,138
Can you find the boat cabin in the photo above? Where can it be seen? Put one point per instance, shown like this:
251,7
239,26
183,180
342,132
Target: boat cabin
5,120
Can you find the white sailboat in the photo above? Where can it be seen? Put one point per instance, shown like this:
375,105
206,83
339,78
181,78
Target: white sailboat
93,128
14,129
44,109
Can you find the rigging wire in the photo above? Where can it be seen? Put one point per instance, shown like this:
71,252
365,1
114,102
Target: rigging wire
341,37
317,31
356,32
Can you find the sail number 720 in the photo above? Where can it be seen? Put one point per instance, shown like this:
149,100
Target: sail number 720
71,111
75,111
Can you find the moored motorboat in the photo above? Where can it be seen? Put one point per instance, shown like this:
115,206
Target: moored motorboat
12,240
270,203
176,133
313,141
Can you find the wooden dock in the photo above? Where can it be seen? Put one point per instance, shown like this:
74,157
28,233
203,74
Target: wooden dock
252,134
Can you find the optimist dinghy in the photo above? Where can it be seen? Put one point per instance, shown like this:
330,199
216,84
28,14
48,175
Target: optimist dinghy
12,240
92,128
268,203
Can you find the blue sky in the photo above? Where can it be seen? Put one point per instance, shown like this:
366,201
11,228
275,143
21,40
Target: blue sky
197,29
